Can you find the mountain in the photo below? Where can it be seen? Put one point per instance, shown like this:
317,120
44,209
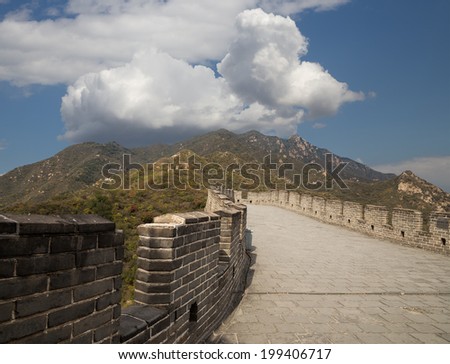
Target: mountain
254,146
404,191
79,167
72,169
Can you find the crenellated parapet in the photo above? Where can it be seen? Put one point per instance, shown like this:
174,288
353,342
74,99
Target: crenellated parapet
60,276
404,226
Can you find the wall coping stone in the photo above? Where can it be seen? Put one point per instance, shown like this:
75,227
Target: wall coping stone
146,313
53,224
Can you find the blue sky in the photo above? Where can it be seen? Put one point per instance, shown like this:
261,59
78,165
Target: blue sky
393,55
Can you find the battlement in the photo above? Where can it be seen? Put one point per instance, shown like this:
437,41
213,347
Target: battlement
60,277
403,226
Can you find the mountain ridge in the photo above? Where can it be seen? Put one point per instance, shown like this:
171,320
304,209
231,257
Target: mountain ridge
79,166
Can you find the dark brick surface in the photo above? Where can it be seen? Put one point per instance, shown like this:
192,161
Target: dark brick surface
22,328
154,277
6,310
156,253
110,239
44,264
88,241
7,226
92,289
72,278
108,300
16,287
130,327
120,253
70,313
147,313
104,332
91,322
90,223
153,288
86,338
14,246
42,303
6,268
160,325
64,243
97,257
153,299
42,224
54,336
159,264
161,242
109,270
160,231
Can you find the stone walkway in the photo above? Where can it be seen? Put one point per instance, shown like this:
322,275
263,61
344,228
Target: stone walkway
317,283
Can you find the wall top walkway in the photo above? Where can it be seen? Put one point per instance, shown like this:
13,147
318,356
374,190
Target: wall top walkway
318,283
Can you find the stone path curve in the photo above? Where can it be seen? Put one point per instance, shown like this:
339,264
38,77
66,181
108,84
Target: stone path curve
317,283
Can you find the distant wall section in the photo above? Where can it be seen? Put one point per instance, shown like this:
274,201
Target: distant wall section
400,225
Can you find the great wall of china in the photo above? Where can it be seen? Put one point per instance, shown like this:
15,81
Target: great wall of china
403,226
60,276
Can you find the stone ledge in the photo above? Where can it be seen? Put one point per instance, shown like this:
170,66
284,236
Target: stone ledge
137,318
53,224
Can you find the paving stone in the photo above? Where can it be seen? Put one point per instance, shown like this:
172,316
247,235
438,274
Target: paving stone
431,338
282,338
333,285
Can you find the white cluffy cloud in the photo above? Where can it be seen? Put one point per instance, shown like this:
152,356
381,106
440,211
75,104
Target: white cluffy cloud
433,169
263,85
94,35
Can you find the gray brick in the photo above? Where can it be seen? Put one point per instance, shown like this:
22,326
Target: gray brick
109,270
109,299
54,336
64,243
72,278
105,331
42,224
110,239
86,338
161,242
42,303
88,242
92,289
120,253
21,328
44,264
162,231
7,226
154,277
130,327
159,264
6,310
90,223
70,313
97,257
7,268
92,322
15,246
156,253
16,287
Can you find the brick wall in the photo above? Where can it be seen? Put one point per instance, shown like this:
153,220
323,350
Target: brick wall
192,269
399,225
60,276
59,279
